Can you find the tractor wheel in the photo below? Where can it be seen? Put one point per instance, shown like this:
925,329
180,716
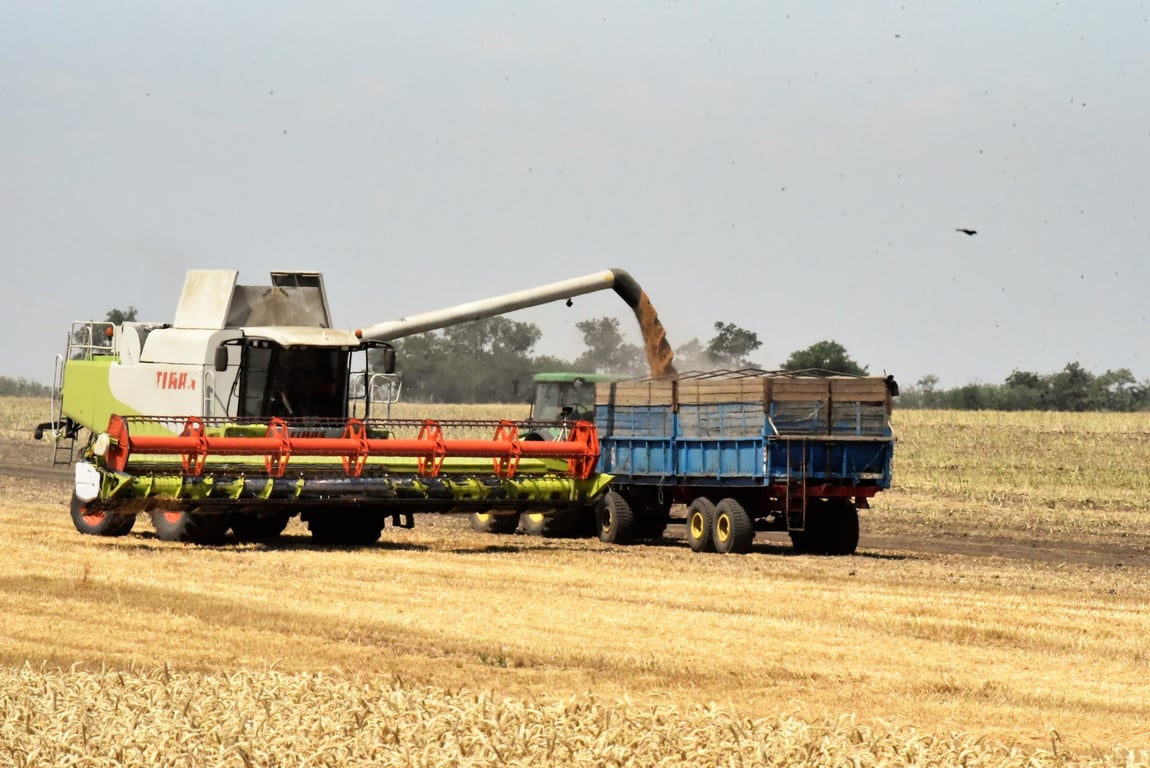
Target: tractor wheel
489,522
347,530
94,521
734,532
253,527
701,525
560,524
189,526
616,519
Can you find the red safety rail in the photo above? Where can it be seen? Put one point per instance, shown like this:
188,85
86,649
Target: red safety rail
277,446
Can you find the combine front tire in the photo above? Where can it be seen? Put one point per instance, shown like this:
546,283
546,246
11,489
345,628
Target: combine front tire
93,521
734,531
188,526
616,520
701,525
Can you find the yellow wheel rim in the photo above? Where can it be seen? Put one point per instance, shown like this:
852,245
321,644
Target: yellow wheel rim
722,527
697,525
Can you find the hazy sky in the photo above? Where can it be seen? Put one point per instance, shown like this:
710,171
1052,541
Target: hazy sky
797,169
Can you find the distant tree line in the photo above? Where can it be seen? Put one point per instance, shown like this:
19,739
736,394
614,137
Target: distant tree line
492,361
22,387
1072,389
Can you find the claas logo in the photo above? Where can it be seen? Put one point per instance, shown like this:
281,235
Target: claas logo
174,380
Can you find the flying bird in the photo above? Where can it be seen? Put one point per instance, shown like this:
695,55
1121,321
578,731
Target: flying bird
966,231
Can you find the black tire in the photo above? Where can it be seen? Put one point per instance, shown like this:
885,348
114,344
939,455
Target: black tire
616,520
701,525
832,528
734,532
253,527
560,524
189,526
844,533
91,520
355,529
651,522
489,522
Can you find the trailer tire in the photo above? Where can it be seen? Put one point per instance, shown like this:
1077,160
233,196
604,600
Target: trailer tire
734,533
832,528
189,526
701,525
489,522
252,527
616,519
93,521
844,531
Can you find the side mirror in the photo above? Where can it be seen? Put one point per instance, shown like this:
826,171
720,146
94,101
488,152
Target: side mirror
389,360
221,361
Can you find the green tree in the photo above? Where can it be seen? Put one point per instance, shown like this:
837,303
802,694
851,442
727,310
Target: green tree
825,357
607,352
118,316
484,361
731,345
1070,388
22,387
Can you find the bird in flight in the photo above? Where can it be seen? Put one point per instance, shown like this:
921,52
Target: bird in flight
966,231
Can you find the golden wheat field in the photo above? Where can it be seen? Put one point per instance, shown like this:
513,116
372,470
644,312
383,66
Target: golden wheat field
995,615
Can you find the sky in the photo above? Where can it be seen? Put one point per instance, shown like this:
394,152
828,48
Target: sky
798,169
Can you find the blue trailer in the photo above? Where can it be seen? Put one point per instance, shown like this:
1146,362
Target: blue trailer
744,451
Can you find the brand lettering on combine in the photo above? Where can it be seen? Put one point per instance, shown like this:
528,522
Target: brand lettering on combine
174,380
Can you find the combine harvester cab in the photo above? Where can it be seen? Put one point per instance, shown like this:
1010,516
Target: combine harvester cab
746,451
250,408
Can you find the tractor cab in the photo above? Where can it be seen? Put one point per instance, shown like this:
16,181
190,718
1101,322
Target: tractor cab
566,396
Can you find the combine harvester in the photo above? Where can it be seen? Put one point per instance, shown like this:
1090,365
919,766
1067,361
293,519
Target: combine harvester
250,408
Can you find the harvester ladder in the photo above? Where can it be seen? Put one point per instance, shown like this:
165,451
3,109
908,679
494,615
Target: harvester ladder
795,497
63,441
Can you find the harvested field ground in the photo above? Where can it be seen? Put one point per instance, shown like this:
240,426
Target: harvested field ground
994,615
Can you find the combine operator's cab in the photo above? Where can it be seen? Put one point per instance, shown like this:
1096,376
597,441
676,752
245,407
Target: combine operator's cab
243,353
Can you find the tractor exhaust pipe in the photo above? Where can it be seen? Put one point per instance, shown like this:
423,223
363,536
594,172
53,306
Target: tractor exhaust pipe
618,279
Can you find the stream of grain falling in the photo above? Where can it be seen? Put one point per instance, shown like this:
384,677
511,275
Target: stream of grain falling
659,352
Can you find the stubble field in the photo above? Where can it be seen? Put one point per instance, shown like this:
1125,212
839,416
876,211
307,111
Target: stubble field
994,615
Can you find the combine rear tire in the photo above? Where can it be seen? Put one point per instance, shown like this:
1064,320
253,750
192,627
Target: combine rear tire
252,527
100,522
489,522
701,525
616,520
734,531
188,526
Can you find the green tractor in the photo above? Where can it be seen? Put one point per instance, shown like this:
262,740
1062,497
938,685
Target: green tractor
559,401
